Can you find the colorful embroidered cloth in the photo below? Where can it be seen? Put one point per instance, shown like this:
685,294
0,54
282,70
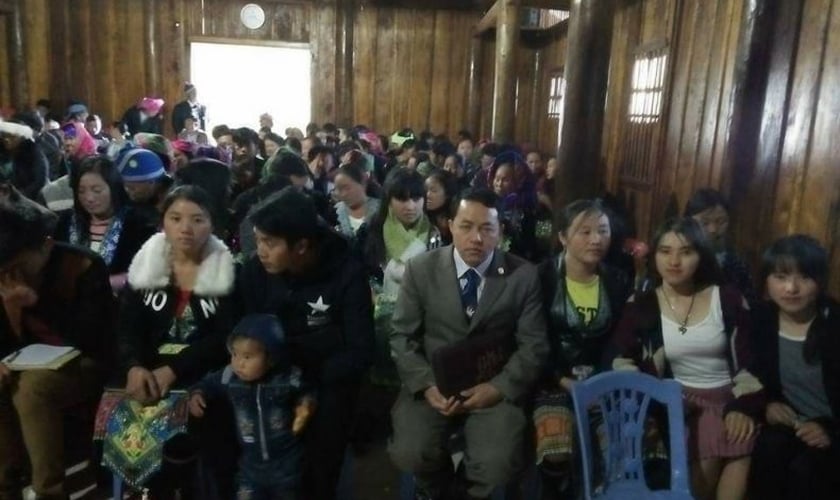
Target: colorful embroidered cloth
133,435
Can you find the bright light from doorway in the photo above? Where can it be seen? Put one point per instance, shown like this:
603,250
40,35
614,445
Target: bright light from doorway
238,83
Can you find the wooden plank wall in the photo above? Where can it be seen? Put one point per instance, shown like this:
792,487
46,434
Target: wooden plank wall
553,60
800,190
795,185
411,68
410,64
703,38
540,133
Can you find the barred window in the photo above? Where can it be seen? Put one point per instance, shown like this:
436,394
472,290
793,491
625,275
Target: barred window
555,95
642,129
648,85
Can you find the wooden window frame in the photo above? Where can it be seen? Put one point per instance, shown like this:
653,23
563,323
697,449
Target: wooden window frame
556,94
644,112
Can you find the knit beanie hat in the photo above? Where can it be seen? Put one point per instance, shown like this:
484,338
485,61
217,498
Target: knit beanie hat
151,105
266,329
139,165
157,144
77,108
186,147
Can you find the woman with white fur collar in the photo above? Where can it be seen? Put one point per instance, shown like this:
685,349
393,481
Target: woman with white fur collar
176,311
29,165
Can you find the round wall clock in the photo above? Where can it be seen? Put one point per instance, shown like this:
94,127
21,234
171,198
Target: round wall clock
252,16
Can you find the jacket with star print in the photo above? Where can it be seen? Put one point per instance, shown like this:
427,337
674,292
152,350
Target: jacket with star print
327,313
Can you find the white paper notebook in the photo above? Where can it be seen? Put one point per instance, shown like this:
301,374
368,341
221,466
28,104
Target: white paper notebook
40,357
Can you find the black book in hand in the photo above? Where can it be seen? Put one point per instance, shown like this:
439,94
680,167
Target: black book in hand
469,362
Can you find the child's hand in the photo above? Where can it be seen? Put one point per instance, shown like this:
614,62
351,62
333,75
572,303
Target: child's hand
197,405
303,412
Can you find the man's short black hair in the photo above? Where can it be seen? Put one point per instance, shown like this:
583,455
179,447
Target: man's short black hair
314,151
490,149
24,226
244,136
288,164
704,199
290,215
294,143
479,195
220,130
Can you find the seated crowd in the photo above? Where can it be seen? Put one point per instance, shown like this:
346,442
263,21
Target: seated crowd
267,286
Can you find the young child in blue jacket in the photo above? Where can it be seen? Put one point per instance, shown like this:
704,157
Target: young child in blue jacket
270,404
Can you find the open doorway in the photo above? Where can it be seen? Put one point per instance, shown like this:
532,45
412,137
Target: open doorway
239,82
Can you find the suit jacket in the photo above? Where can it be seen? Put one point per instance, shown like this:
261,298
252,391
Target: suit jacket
429,315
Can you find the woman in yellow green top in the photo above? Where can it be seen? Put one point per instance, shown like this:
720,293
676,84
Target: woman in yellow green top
583,299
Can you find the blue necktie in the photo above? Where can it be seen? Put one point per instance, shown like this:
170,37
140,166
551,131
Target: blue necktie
469,293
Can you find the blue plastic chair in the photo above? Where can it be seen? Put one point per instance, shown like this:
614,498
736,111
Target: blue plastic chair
623,398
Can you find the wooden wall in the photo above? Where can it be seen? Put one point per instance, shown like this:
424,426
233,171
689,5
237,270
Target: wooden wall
412,68
111,53
690,139
794,185
787,181
410,64
535,61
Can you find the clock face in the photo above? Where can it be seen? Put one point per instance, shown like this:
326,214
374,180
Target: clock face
252,16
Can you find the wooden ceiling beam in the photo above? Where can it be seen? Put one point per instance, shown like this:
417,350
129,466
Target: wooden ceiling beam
425,4
540,4
548,4
489,20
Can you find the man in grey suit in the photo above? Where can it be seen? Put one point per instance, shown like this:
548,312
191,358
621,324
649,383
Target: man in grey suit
465,290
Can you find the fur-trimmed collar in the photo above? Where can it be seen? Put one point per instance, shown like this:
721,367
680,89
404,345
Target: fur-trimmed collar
150,269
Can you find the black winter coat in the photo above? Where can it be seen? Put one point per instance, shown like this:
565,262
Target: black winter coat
327,314
147,312
30,169
822,342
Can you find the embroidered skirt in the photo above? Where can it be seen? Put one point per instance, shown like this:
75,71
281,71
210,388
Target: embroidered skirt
554,422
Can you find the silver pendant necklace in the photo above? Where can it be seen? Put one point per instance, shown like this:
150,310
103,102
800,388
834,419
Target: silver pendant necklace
684,325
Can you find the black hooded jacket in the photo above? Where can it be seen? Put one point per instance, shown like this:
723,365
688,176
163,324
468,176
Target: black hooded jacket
327,313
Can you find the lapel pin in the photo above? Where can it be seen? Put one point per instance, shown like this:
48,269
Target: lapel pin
501,270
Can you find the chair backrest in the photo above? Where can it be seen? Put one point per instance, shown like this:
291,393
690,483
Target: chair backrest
623,398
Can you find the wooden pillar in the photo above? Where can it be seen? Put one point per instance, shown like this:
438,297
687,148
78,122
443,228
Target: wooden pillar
345,14
150,39
536,106
767,49
474,88
587,67
504,94
17,55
